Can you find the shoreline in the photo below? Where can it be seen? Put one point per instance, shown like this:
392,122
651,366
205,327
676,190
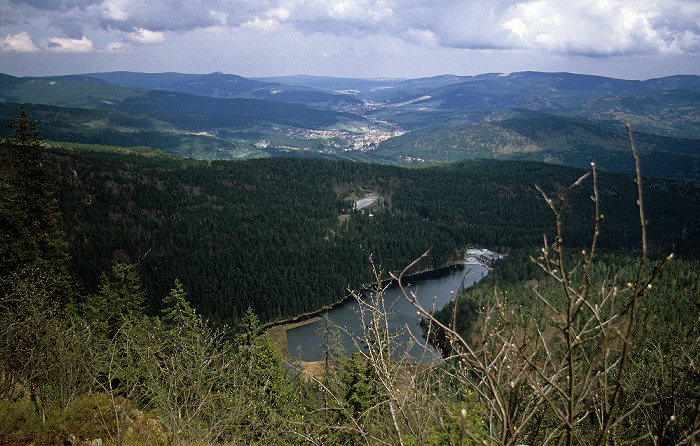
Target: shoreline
277,331
302,318
278,335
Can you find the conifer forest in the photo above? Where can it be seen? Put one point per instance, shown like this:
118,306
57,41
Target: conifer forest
137,288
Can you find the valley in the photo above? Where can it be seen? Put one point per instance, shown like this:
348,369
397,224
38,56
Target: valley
166,220
560,118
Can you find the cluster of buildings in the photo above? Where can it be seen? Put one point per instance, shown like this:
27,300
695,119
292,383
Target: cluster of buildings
363,141
475,256
371,139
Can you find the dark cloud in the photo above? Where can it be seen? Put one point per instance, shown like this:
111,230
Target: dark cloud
578,27
71,28
162,15
57,5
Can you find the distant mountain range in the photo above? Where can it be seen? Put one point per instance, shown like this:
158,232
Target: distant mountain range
227,86
555,117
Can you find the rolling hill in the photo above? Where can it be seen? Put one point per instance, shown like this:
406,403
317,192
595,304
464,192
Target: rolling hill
227,86
560,118
535,136
190,112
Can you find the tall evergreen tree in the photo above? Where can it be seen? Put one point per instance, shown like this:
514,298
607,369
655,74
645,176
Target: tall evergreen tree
249,330
176,309
31,243
29,229
120,299
358,393
267,383
331,349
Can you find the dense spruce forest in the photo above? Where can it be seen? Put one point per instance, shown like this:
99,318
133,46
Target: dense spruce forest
133,285
281,236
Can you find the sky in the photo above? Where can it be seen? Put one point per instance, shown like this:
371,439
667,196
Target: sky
628,39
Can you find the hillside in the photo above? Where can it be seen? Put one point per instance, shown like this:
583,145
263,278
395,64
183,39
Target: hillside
118,128
235,231
186,111
670,112
526,135
562,118
220,85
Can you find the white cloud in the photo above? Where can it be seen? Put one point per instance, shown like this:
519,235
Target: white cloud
421,37
335,16
280,13
355,10
517,26
115,10
62,45
118,47
262,26
606,27
146,36
682,43
220,17
459,23
19,43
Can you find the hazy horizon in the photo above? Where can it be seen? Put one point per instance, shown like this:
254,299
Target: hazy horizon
626,39
338,77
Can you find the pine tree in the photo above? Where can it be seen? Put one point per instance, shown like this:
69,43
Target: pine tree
267,383
176,309
248,331
120,299
31,243
358,391
29,231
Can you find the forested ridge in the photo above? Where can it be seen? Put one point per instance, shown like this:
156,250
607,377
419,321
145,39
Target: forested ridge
279,235
535,136
558,118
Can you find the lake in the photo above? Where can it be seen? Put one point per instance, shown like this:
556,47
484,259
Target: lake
432,290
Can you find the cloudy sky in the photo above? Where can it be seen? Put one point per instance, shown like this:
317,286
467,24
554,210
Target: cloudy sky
631,39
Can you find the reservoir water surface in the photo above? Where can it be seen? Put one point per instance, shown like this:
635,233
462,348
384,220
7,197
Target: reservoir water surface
433,291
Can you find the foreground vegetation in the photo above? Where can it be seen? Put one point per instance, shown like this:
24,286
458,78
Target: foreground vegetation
572,355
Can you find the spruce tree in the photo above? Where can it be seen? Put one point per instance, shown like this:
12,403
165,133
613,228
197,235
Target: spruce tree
120,299
177,310
30,238
28,211
269,386
358,391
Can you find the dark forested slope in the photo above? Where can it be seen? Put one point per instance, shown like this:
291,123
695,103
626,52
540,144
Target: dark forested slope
186,111
279,235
